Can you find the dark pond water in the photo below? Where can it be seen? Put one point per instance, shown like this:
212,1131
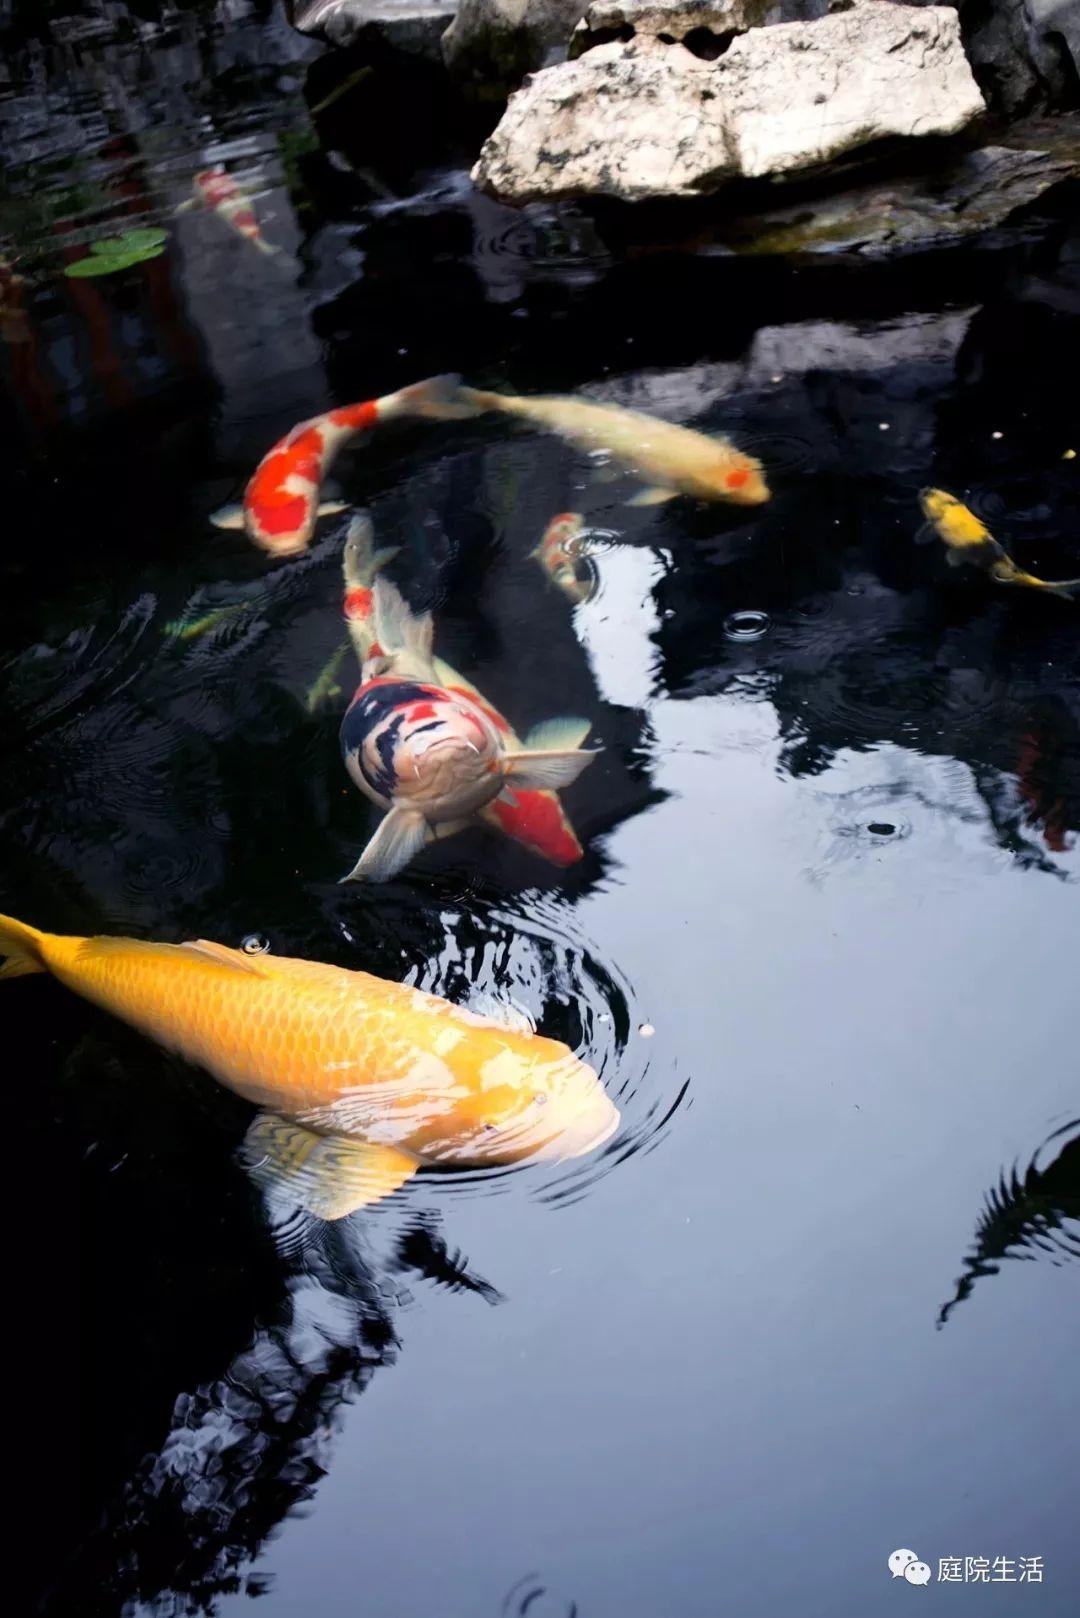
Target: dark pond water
817,1301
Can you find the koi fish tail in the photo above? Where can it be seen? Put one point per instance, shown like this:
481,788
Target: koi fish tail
1067,589
398,628
22,947
439,398
360,561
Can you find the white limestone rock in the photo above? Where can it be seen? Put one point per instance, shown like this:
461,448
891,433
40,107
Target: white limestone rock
649,119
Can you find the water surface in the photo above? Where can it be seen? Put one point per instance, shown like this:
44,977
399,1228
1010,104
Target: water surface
817,1300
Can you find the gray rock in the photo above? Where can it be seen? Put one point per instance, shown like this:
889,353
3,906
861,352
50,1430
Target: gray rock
492,44
647,119
978,191
412,26
1025,53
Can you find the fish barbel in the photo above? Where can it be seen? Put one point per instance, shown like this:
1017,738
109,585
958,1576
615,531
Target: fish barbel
363,1081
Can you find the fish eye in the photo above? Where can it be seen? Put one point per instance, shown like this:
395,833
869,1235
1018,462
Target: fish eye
489,1129
255,944
540,1098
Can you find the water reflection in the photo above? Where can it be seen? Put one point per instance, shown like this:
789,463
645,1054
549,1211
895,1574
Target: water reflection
1036,1214
249,1444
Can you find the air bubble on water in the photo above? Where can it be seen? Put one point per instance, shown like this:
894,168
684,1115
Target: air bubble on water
883,426
748,624
669,612
646,1030
776,378
255,944
997,435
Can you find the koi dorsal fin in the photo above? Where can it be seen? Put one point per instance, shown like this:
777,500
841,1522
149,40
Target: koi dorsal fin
222,955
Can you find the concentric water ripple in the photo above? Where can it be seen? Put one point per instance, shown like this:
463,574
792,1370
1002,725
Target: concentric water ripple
537,967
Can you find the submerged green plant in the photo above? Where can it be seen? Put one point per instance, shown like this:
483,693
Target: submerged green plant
113,253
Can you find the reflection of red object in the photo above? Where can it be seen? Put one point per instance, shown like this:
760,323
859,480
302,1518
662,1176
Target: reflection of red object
1044,806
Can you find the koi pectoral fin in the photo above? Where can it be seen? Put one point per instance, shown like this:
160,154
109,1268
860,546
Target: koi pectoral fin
231,517
653,497
546,771
400,837
556,736
925,534
328,1175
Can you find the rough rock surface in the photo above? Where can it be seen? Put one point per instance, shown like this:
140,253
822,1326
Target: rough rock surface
680,19
492,44
1025,54
413,26
978,191
649,119
606,20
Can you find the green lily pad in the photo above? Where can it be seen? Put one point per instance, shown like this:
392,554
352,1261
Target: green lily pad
111,245
108,262
143,241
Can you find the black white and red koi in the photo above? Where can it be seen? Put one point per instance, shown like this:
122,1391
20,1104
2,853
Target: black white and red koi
432,757
532,816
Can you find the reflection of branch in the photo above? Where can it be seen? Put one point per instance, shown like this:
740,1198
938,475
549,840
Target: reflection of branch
421,1249
1030,1213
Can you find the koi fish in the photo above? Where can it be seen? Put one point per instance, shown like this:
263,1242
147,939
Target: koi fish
432,757
362,1082
672,460
217,190
560,555
282,500
966,539
536,817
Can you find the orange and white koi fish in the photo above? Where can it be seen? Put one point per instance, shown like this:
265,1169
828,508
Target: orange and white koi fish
282,500
363,1081
217,190
534,816
968,540
671,460
562,558
432,757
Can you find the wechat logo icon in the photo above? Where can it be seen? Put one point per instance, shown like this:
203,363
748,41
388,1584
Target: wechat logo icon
906,1565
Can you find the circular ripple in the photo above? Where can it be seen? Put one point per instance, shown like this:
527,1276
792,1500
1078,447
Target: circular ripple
779,453
534,966
746,625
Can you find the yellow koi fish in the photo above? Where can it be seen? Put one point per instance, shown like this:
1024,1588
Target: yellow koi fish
968,540
363,1081
672,460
